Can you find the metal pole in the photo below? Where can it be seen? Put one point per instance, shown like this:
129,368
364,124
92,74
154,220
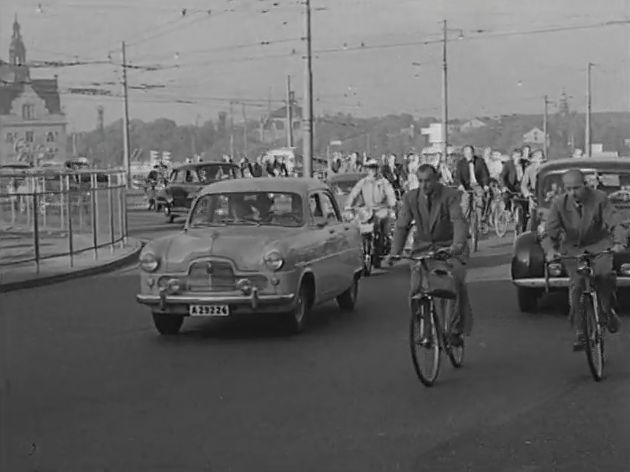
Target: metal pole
124,208
588,111
110,208
308,99
289,113
444,91
69,212
231,130
94,215
62,201
36,227
244,131
545,133
121,210
126,153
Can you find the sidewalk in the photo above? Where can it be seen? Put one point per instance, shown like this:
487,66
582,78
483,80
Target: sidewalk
57,269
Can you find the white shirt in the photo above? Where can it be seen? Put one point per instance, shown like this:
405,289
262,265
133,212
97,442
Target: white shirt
473,178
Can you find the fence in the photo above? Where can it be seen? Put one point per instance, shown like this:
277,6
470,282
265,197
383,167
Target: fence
51,214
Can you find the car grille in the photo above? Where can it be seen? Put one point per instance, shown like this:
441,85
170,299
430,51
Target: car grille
221,277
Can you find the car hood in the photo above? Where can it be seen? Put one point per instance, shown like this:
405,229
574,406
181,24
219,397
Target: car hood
245,245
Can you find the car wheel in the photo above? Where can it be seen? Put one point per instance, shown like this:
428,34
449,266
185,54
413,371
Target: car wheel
527,299
298,317
348,299
167,325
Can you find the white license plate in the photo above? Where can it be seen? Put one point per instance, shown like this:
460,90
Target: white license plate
209,310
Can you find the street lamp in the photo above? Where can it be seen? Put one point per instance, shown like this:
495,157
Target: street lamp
445,31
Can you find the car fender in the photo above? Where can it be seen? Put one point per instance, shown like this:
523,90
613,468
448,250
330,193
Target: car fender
528,257
308,272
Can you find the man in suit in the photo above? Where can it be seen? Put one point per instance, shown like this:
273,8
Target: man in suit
582,219
473,176
440,224
392,172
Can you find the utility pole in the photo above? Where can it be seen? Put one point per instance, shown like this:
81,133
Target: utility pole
587,143
244,131
126,157
308,98
289,123
232,130
545,133
193,137
444,92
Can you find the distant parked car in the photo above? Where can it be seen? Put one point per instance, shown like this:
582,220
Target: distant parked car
187,180
265,245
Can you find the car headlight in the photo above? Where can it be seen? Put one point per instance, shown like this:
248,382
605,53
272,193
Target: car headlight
274,260
624,270
149,262
554,269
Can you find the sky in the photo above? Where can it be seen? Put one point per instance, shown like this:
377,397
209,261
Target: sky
503,55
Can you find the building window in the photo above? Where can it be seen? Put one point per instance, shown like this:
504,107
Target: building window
50,137
28,112
10,138
29,137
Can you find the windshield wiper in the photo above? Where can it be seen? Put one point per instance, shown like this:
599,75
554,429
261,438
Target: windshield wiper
248,221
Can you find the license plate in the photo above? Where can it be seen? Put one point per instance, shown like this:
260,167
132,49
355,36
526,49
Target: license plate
209,310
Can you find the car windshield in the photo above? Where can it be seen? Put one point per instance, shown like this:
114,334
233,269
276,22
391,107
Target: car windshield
248,208
343,187
615,182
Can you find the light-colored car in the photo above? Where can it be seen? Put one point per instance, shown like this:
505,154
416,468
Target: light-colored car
265,245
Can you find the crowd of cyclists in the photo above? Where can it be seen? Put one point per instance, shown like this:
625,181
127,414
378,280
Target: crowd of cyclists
495,179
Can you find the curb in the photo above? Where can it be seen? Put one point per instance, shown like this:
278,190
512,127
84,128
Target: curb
122,261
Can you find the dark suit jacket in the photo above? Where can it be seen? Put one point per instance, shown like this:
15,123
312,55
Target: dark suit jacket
509,177
394,178
597,229
481,172
444,226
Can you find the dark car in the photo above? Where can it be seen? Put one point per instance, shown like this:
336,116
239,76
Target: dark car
611,175
342,184
187,180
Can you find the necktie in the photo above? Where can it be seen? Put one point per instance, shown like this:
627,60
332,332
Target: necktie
429,202
579,207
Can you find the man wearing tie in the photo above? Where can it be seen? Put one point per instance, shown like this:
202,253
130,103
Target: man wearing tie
584,219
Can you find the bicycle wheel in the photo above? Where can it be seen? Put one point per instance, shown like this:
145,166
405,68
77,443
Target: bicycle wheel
501,222
518,220
594,336
455,352
425,356
474,225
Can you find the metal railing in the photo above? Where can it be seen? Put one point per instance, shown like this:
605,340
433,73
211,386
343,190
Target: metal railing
48,214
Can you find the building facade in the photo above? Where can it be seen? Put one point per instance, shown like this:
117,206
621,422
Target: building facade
274,126
32,124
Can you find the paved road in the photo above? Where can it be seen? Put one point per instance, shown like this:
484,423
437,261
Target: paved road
94,388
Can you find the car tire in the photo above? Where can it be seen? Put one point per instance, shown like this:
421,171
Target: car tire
167,325
348,299
527,299
298,317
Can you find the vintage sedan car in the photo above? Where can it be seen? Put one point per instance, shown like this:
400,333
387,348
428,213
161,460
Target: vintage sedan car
187,180
611,175
264,245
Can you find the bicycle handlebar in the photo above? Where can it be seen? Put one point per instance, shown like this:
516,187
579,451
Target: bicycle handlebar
440,254
584,256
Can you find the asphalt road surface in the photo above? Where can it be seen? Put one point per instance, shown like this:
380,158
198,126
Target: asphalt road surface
94,388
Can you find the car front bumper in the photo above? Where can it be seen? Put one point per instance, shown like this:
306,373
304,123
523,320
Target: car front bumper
558,282
238,303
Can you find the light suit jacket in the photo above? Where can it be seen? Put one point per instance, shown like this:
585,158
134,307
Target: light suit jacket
444,226
375,193
597,229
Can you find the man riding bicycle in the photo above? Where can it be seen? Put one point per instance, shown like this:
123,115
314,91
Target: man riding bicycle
440,224
473,176
583,219
530,175
377,193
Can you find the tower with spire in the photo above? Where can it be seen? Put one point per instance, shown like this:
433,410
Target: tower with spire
17,50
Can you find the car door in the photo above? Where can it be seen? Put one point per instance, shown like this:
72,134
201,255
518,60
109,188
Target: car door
336,261
319,248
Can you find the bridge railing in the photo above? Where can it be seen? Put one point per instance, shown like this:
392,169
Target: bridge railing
60,214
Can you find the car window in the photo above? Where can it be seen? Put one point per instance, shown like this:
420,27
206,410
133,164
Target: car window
328,207
247,208
609,181
173,176
315,206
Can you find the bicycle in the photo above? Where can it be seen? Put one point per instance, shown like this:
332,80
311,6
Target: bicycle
474,220
427,332
513,219
592,323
